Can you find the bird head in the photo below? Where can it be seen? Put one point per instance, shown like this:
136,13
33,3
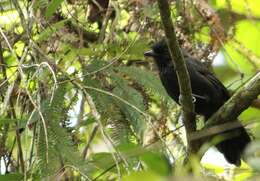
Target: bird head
159,52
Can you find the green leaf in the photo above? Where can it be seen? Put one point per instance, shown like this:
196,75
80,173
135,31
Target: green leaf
249,43
104,103
53,6
144,175
101,158
240,6
134,98
157,163
147,79
47,33
94,66
136,52
11,177
4,120
61,149
250,114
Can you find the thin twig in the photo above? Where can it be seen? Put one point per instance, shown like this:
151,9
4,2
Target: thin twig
102,129
76,169
146,116
113,61
213,130
42,64
109,11
19,63
92,136
146,146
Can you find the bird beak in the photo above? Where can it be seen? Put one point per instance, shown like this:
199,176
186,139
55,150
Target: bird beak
149,53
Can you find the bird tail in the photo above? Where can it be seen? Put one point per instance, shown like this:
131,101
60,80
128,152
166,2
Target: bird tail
234,144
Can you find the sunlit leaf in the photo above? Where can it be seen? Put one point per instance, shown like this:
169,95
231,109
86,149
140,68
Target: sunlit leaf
147,175
239,58
250,114
248,7
157,163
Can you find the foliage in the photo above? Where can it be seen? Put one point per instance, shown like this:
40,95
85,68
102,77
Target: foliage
80,102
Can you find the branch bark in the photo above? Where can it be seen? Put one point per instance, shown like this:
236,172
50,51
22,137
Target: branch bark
229,112
241,100
182,74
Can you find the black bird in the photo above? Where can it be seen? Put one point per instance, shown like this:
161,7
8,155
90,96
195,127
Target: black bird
209,93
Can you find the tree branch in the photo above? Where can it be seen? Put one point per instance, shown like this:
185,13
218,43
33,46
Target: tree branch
226,115
182,74
241,100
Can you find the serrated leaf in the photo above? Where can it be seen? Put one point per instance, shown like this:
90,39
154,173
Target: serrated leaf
60,146
134,98
146,79
104,103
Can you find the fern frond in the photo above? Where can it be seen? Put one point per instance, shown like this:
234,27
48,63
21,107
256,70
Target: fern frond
104,103
134,98
61,151
147,79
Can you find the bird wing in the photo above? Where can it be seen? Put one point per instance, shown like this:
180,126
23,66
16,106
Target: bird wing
200,68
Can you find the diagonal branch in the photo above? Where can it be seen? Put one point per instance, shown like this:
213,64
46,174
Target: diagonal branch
241,100
223,119
182,73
